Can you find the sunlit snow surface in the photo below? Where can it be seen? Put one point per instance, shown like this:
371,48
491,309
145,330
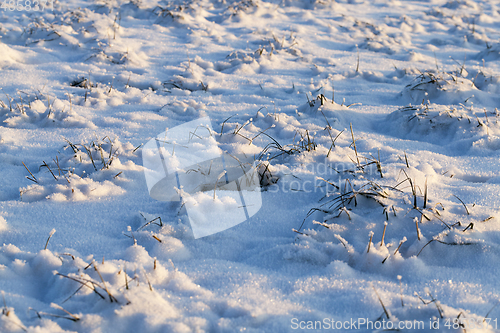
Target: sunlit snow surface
360,116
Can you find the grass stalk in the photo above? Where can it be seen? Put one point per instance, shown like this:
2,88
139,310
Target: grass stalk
370,242
111,297
400,243
217,181
425,194
381,303
33,177
56,306
52,232
401,290
83,283
484,319
383,234
47,166
126,279
354,144
418,229
467,210
357,65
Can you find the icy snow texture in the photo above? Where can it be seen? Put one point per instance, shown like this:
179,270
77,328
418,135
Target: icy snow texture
86,83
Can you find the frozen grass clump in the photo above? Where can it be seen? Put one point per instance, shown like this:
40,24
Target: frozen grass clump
393,205
38,109
491,53
81,172
440,87
443,124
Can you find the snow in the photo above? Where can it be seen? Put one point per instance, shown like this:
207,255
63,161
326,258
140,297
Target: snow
322,162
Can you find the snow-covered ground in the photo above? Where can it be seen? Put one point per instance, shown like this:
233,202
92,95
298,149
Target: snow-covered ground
374,125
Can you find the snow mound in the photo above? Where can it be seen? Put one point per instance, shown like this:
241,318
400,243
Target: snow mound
444,125
33,112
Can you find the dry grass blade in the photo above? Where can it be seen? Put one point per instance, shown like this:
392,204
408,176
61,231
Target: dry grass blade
224,122
341,240
9,99
73,317
5,309
418,229
413,189
379,165
357,68
89,153
467,210
333,142
311,211
40,314
401,289
494,306
425,194
470,226
217,181
370,242
400,243
74,147
301,233
47,166
33,177
381,303
139,146
111,297
438,305
56,161
383,234
52,232
445,243
147,279
237,129
83,283
440,219
329,183
152,222
354,144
